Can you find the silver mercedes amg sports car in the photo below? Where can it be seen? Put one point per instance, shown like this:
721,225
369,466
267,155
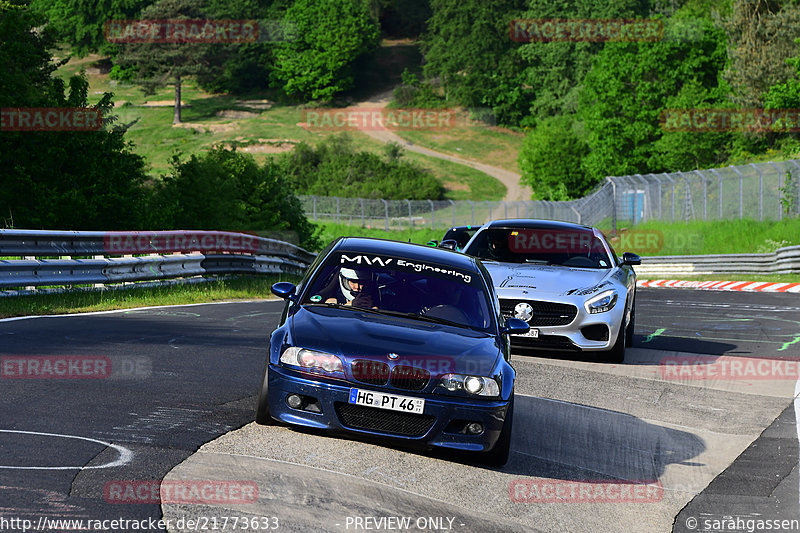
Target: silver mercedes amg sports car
564,279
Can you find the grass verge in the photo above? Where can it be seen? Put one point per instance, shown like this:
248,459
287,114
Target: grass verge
709,237
234,288
772,278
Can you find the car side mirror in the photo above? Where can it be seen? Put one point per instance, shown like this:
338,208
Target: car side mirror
450,244
629,258
515,326
284,290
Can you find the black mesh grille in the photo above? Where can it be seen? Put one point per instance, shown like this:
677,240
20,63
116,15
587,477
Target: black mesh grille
372,372
544,342
374,419
544,313
410,377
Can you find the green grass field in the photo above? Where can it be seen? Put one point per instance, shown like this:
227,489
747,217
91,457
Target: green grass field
235,288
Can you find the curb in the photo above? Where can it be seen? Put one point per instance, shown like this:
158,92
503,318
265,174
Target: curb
743,286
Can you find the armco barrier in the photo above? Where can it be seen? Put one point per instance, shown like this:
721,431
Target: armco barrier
783,261
146,255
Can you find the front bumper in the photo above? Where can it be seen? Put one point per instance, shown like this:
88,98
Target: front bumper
442,414
580,334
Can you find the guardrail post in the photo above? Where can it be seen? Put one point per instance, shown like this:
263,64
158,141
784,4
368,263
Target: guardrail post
386,213
795,180
410,220
780,187
719,184
337,209
760,192
472,208
672,198
613,205
433,212
705,194
315,207
363,214
454,211
658,181
741,196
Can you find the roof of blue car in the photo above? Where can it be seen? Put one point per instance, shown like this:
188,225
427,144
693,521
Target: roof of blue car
411,251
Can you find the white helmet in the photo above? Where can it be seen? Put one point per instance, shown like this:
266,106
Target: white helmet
354,275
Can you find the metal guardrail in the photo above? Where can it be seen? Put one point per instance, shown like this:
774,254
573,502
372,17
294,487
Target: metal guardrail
118,257
782,261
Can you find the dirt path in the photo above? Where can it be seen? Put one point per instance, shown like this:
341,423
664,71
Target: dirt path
514,190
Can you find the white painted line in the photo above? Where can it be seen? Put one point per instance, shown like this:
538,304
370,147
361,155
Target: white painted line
15,318
125,455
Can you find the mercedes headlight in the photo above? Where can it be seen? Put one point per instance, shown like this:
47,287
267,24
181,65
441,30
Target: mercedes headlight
605,301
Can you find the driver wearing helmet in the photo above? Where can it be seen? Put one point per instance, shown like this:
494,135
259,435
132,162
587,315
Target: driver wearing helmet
498,247
354,287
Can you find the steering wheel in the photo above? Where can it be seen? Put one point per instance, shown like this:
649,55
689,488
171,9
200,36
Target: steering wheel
446,312
579,261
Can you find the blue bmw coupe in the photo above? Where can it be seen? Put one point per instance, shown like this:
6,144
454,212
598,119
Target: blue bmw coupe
394,340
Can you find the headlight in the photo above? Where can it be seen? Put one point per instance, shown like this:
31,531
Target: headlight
311,360
477,385
605,301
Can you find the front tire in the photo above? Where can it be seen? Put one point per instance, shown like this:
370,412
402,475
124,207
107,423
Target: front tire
631,325
262,406
498,456
617,352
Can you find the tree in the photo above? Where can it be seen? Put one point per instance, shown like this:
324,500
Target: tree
468,48
227,190
82,23
85,180
762,37
628,87
157,63
550,160
328,37
554,71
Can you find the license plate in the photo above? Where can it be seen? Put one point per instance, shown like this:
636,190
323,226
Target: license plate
532,333
390,402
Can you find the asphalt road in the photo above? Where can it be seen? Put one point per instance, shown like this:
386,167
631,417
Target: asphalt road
173,380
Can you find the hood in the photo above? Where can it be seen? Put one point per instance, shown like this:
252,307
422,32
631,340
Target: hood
544,279
353,335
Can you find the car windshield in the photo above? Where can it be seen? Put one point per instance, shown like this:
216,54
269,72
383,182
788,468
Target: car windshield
572,247
395,286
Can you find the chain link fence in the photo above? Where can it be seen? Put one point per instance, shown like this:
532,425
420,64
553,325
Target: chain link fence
760,191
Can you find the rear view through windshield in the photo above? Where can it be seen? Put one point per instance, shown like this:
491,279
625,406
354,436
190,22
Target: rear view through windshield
579,247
